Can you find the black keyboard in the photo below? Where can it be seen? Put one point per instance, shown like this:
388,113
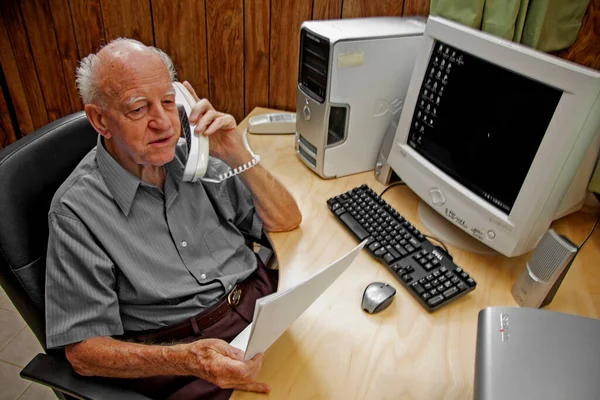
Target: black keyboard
424,268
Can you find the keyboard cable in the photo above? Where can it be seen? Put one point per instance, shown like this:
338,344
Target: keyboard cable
590,234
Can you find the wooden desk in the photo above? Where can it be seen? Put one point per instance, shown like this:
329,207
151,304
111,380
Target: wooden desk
337,351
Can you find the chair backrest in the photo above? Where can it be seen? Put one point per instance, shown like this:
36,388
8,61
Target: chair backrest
31,170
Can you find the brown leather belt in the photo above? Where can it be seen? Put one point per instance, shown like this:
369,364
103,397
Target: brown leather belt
195,325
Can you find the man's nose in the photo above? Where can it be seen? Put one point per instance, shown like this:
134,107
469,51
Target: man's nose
160,118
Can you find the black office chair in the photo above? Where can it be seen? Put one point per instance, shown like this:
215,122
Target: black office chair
31,170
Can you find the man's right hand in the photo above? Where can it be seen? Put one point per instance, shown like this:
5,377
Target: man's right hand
212,360
217,362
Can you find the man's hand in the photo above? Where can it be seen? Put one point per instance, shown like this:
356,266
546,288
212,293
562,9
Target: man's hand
215,361
225,142
212,360
275,206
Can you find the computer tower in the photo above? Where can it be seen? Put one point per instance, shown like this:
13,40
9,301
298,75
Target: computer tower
353,76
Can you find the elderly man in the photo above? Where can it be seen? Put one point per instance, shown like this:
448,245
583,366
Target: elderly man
149,276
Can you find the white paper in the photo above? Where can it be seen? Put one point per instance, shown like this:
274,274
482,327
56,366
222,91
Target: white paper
274,313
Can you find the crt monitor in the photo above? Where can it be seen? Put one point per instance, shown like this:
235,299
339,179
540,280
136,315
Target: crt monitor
497,138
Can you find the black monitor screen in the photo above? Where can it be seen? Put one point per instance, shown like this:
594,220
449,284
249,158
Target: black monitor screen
480,123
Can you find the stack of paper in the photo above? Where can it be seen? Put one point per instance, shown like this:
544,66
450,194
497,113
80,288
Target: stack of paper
274,313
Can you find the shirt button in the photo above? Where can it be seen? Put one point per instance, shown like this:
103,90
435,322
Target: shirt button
230,287
203,276
183,243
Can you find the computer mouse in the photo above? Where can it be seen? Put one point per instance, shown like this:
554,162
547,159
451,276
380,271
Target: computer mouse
377,297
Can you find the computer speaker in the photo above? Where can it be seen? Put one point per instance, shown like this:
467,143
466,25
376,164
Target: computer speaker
544,271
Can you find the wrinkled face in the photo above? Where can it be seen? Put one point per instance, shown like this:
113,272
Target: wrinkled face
141,116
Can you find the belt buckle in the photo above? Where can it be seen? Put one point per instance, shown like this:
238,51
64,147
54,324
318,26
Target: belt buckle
233,298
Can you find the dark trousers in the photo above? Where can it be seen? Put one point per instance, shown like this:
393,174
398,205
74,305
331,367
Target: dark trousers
261,283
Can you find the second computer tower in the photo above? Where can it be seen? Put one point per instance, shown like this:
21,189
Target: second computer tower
353,76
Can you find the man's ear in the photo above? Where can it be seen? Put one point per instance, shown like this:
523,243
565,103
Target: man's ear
97,118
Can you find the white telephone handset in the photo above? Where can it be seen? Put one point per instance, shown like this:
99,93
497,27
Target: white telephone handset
197,145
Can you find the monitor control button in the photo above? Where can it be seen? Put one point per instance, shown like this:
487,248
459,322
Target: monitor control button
437,197
306,113
491,235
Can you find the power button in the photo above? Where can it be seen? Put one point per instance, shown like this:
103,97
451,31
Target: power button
306,113
437,197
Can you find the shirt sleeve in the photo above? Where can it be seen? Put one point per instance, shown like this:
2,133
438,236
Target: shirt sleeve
247,219
234,201
81,301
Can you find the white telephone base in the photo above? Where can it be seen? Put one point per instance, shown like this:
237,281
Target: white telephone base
273,123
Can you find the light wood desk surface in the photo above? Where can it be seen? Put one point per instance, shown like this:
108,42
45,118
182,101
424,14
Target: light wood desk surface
337,351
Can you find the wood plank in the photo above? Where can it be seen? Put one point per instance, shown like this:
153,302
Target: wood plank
16,90
67,46
416,7
224,21
129,19
88,25
286,18
44,48
586,49
257,15
371,8
180,31
7,132
327,9
25,63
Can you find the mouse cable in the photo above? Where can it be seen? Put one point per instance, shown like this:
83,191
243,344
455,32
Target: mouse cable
391,186
589,234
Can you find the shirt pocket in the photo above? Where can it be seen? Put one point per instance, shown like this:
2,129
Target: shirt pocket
223,243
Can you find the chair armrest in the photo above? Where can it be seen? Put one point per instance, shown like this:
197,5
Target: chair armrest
56,372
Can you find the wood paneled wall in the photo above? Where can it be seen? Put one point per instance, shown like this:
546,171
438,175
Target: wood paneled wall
237,53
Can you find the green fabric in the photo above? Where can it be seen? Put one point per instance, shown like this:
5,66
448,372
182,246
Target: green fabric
500,17
553,24
594,185
466,12
520,23
547,25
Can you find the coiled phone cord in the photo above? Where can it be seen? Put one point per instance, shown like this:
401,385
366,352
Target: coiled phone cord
241,168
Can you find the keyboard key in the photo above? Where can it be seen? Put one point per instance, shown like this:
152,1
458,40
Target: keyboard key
400,250
434,301
450,292
380,252
393,252
417,288
389,258
354,226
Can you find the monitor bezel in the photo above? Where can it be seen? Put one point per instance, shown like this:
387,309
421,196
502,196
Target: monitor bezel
558,155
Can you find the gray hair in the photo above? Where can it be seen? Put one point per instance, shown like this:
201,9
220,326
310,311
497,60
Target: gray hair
87,79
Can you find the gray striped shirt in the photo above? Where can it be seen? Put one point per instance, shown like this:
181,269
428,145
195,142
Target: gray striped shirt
124,255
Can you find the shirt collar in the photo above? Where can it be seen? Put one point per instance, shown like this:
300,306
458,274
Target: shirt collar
123,185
